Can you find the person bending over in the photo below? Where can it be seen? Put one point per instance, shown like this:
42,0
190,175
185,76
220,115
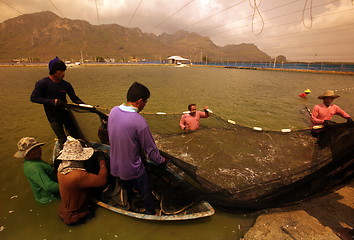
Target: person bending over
75,183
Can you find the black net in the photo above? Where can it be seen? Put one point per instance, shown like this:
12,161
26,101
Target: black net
240,169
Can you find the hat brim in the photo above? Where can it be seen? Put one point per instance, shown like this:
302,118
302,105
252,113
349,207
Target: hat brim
333,96
22,154
86,154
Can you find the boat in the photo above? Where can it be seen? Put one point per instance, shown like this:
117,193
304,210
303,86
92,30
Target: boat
115,200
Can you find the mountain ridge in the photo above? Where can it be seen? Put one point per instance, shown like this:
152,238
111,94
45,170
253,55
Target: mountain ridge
43,35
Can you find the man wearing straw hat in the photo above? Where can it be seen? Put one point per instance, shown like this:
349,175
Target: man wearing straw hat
40,174
75,182
323,113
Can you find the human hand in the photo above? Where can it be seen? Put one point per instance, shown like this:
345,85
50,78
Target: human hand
102,163
329,122
165,163
58,103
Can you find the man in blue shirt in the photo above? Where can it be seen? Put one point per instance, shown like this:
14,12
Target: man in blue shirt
51,92
129,134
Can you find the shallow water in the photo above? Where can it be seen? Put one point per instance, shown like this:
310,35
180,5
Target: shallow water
264,99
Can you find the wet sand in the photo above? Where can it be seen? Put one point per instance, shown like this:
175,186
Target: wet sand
328,217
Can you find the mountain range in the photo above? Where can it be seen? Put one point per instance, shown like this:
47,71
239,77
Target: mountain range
44,35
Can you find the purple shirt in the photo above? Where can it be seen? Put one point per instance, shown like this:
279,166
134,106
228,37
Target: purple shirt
129,134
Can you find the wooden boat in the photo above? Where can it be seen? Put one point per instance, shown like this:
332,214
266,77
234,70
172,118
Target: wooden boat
193,210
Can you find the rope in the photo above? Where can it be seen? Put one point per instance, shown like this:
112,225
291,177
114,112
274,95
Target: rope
131,19
56,8
228,121
255,8
98,16
171,15
303,15
343,89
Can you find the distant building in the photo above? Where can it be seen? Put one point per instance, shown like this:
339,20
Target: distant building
178,60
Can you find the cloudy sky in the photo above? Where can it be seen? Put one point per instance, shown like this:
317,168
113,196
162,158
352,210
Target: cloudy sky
306,30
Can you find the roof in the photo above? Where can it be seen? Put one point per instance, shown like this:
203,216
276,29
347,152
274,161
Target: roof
178,58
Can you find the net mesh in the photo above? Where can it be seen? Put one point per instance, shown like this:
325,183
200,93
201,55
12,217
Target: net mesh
239,169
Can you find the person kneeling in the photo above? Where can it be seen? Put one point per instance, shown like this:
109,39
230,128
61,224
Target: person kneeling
75,182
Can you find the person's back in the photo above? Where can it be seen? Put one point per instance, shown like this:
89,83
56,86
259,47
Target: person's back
129,135
41,175
125,141
75,183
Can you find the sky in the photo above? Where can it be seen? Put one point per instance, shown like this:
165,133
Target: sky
301,30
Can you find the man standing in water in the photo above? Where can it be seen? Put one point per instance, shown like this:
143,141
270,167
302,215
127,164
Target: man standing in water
323,113
51,92
190,121
40,174
129,135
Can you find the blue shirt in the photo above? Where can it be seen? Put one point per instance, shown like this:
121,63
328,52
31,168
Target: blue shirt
129,135
45,91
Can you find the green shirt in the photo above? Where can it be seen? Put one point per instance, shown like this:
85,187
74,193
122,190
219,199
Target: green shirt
42,179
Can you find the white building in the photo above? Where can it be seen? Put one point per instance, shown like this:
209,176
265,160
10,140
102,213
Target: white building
178,60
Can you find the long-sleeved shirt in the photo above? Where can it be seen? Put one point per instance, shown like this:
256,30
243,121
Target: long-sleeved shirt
42,179
46,91
192,122
128,134
321,112
74,190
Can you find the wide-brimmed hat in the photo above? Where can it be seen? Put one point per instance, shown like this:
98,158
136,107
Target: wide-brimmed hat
328,93
73,151
25,145
307,91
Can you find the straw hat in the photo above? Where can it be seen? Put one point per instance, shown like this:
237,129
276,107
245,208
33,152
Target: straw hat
328,93
73,151
307,91
25,145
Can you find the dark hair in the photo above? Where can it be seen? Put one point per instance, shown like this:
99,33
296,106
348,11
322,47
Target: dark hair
190,105
57,66
137,91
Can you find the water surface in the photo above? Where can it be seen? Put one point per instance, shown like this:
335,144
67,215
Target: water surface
264,99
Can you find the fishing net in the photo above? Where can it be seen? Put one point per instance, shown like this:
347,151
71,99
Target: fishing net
238,168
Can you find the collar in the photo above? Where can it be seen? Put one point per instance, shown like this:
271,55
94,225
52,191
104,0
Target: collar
128,108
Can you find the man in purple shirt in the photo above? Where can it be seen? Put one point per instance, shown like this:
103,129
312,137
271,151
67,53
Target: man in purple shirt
129,135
